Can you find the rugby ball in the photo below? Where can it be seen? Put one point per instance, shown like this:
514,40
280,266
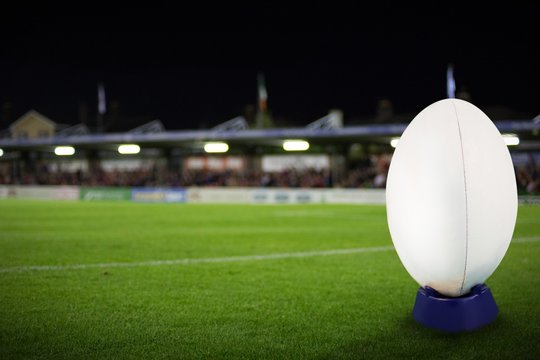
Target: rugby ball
451,197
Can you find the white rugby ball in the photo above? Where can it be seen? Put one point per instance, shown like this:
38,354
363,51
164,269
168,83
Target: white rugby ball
451,197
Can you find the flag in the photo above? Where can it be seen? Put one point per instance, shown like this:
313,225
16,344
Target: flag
450,82
263,119
263,95
102,105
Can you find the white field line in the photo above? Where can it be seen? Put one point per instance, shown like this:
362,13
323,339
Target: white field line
18,269
526,239
196,260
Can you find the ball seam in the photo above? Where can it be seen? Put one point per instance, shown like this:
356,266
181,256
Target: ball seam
466,202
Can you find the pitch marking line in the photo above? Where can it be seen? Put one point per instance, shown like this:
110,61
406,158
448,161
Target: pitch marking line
197,260
18,269
526,239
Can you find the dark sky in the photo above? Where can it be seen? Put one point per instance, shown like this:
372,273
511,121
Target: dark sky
191,77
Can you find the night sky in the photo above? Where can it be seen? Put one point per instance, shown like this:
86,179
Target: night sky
160,67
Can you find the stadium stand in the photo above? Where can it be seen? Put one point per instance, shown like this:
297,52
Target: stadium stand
338,156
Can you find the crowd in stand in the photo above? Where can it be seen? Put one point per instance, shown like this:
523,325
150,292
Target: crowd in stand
528,178
307,178
370,174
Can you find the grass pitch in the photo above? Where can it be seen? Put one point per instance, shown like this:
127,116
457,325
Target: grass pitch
355,305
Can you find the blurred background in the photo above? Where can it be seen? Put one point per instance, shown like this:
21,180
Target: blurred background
216,102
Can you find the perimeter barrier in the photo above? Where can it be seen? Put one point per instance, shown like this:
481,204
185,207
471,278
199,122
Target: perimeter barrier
206,195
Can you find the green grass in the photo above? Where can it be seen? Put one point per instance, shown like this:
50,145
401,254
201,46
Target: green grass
322,307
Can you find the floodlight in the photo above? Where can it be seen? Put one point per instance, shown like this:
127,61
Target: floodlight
511,139
295,145
216,147
64,150
129,149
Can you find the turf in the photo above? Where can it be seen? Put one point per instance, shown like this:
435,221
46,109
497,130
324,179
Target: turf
321,307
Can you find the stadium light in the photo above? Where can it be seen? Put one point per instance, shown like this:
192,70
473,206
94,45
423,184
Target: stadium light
129,149
295,145
511,139
1,152
64,150
394,142
216,147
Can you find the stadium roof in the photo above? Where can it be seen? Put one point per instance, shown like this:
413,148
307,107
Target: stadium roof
367,133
